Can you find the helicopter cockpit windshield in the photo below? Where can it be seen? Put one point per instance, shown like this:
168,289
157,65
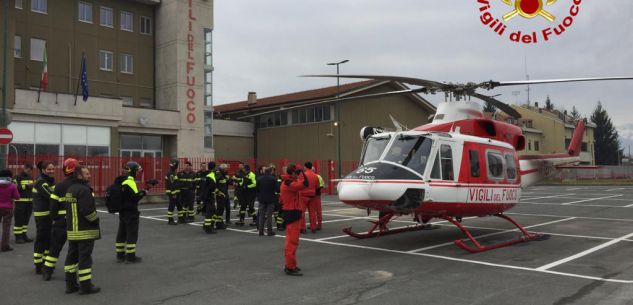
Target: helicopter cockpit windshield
374,147
410,151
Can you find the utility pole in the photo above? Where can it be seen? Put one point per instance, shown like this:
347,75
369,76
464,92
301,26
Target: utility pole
5,50
338,115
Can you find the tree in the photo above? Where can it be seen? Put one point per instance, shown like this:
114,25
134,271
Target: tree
548,104
575,115
607,144
490,108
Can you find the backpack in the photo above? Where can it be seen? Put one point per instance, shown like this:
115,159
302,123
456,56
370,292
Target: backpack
113,196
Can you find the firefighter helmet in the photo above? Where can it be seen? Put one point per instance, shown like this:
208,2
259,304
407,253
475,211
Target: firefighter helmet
69,166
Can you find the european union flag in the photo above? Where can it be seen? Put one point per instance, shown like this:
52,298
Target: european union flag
84,79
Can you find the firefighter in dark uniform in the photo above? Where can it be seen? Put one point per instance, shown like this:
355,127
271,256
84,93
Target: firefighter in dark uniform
201,176
42,190
250,183
172,189
208,197
58,216
238,184
127,235
24,205
221,195
82,231
277,214
186,178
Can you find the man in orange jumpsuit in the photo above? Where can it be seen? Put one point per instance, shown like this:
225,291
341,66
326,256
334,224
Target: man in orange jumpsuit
293,183
309,198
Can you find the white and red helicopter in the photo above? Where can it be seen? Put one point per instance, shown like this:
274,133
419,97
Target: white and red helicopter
460,165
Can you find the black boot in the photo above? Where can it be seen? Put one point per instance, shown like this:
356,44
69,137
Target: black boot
181,220
26,239
271,233
19,239
87,288
38,268
209,229
192,218
71,283
171,221
294,272
131,258
47,273
120,257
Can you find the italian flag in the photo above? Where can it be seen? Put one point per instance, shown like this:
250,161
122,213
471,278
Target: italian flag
44,80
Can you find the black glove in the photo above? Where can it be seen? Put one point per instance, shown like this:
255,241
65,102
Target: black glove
305,180
143,192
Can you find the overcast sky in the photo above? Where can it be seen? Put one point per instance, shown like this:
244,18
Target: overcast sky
263,46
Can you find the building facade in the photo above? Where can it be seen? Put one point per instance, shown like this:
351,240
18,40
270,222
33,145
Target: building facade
149,73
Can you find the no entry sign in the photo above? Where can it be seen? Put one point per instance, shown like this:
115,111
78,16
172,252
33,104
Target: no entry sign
6,136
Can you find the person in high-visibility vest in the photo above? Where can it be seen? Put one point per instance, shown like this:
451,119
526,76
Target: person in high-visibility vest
24,205
318,203
208,197
250,183
42,190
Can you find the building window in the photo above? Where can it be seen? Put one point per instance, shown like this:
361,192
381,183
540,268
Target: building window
127,21
17,46
146,25
146,102
85,12
106,17
39,6
37,49
529,145
127,101
315,114
127,63
537,146
273,119
208,59
208,88
105,60
208,129
18,4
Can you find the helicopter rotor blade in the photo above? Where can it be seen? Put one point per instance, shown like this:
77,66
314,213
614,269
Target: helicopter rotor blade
493,84
501,105
407,80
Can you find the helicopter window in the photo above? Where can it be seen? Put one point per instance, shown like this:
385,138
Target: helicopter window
474,163
374,149
443,165
511,169
439,116
410,151
495,165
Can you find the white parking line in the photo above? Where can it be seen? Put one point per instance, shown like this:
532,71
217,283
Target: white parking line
615,189
566,216
583,253
552,196
574,188
591,199
577,205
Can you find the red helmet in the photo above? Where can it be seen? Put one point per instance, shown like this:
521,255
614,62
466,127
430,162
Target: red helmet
69,166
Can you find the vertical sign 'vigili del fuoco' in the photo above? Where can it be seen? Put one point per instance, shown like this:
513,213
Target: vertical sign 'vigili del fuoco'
191,63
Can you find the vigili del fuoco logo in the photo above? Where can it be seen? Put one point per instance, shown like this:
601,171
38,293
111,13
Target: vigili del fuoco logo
528,9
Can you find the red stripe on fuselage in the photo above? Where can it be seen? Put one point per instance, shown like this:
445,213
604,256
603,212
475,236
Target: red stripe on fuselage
439,209
384,181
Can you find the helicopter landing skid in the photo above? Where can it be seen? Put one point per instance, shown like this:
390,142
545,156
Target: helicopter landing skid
527,236
380,228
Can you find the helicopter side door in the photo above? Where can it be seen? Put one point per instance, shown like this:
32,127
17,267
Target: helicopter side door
444,171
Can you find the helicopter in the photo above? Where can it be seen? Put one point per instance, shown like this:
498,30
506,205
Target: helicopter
460,165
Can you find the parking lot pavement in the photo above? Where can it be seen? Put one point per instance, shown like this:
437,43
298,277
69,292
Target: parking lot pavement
586,259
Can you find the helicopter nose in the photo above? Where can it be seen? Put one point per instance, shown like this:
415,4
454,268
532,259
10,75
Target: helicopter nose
368,193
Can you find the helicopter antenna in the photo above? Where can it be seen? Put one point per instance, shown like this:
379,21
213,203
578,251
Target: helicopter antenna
527,77
397,124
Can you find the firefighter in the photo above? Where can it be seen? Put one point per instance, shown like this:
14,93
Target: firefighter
24,205
308,197
319,204
201,175
277,214
208,192
58,217
127,235
186,179
293,182
42,190
172,189
249,194
238,185
82,230
221,195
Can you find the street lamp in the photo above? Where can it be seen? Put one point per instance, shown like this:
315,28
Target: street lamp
338,114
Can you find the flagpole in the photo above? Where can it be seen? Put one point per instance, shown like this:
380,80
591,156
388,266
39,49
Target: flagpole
79,78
